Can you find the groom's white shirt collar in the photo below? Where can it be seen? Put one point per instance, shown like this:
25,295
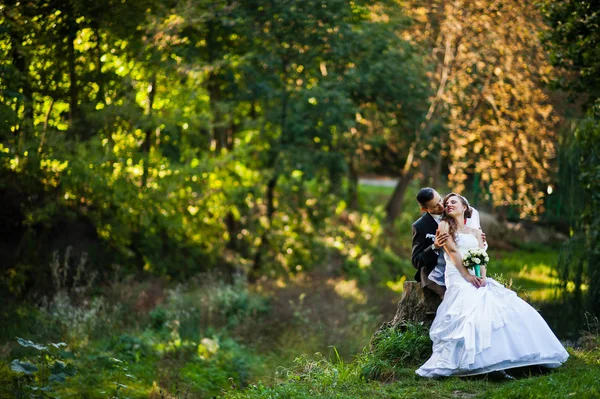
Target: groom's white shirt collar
437,218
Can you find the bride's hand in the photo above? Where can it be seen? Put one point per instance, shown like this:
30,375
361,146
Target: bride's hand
474,280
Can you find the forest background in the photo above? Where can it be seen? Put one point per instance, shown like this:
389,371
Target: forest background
206,189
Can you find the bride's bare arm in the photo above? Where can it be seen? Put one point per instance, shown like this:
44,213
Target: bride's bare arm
452,249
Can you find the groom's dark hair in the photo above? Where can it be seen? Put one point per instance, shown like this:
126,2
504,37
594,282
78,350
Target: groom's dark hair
425,195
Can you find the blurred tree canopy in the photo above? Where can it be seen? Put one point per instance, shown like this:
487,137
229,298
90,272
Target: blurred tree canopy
489,114
572,40
180,136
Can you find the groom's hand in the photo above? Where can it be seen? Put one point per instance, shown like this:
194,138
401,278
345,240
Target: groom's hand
440,239
483,237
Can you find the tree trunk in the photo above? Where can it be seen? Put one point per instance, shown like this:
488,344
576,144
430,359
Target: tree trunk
272,164
20,63
352,186
233,230
146,145
73,89
233,227
437,172
46,121
100,95
594,278
218,130
417,305
394,205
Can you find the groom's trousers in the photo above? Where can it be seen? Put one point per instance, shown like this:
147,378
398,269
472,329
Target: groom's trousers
439,290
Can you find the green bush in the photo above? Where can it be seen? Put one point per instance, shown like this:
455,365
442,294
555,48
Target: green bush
38,378
208,302
220,363
393,349
158,317
129,348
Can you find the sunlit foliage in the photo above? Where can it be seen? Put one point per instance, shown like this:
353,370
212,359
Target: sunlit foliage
176,137
490,114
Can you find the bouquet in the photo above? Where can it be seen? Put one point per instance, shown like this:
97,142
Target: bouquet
475,258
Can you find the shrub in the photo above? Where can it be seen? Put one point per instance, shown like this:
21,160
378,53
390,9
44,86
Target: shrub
220,363
394,349
70,310
37,379
208,301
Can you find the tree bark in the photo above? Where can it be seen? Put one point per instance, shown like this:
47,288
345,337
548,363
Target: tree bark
264,239
594,274
218,130
146,145
22,67
394,205
417,305
271,185
100,95
73,89
436,172
46,121
352,186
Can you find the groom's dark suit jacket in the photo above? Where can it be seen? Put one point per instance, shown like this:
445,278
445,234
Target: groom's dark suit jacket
424,257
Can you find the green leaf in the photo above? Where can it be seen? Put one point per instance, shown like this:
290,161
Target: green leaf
60,367
23,367
29,344
70,370
60,377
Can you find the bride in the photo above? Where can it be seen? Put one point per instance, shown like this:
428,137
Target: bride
481,326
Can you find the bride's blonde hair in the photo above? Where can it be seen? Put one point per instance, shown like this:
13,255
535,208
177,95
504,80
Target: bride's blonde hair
451,221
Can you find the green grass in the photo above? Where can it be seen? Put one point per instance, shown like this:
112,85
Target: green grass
578,378
391,350
164,348
372,196
211,335
534,274
373,199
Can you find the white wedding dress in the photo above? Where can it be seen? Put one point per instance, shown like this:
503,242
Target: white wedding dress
479,330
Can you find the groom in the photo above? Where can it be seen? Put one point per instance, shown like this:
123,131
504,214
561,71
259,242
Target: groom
427,241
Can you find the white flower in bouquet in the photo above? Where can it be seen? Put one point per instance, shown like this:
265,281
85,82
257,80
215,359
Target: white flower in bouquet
475,256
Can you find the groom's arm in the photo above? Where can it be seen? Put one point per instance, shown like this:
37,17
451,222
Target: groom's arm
422,253
477,224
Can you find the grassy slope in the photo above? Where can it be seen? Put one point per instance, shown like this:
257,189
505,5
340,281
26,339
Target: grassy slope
533,275
308,318
578,378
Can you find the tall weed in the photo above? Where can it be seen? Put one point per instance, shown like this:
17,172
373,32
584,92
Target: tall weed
71,311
